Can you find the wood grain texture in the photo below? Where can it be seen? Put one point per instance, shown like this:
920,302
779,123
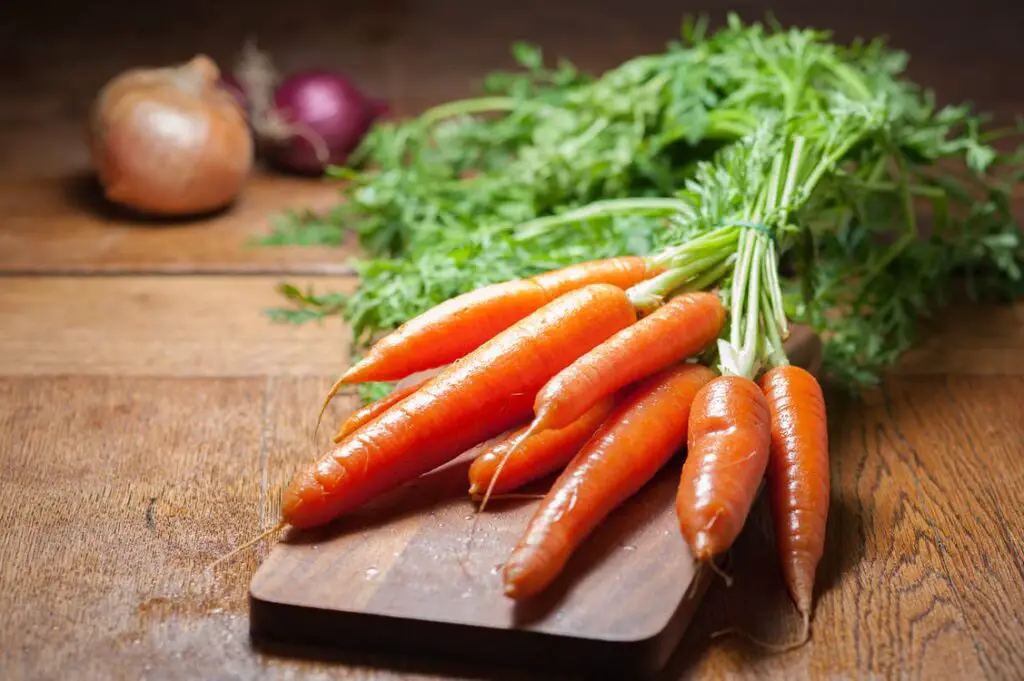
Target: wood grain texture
175,326
966,339
116,494
115,490
61,225
162,326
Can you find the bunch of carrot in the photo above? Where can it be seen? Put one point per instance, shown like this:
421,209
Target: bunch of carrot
596,371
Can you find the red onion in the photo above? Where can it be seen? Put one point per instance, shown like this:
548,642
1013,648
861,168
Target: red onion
324,117
311,120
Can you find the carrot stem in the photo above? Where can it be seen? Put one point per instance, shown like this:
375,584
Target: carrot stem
721,240
774,352
669,281
711,276
599,210
739,286
463,107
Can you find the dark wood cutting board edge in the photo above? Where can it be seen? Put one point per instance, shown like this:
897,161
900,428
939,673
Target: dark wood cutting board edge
317,592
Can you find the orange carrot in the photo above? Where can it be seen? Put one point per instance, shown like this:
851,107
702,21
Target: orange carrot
459,325
536,456
798,476
682,327
637,439
371,411
477,397
447,331
730,432
624,271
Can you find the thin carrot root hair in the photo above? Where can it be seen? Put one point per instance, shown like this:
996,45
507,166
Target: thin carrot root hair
800,641
508,496
490,487
528,433
252,542
720,572
327,400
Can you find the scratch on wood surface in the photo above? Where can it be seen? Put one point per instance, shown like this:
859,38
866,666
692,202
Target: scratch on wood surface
151,513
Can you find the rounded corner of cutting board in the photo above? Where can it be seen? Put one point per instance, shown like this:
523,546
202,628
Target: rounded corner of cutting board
258,585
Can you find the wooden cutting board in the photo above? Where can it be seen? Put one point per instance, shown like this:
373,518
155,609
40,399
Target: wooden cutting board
402,577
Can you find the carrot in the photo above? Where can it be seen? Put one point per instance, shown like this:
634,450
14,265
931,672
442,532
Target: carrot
477,397
682,327
536,456
371,411
637,439
447,331
459,325
730,433
798,476
624,271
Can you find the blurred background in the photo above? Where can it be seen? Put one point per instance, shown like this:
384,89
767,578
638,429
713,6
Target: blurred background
55,54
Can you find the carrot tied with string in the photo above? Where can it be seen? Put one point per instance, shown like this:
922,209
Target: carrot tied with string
741,429
730,424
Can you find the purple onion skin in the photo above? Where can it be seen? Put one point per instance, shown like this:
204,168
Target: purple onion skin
330,106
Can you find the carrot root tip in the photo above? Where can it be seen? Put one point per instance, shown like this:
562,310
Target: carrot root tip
801,640
802,587
252,542
720,572
501,465
767,645
327,400
702,546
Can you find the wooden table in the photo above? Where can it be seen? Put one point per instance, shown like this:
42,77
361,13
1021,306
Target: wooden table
150,412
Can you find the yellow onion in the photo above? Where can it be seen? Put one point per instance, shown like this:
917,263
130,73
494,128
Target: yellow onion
170,140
